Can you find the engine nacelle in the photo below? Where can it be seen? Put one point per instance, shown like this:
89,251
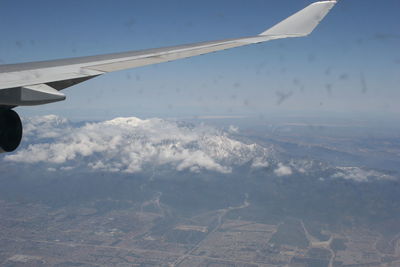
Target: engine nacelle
10,130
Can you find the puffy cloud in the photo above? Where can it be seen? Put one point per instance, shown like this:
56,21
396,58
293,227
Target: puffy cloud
360,175
260,163
283,170
132,144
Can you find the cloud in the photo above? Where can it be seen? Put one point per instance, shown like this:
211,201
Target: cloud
49,126
260,163
233,129
360,175
306,166
132,145
283,170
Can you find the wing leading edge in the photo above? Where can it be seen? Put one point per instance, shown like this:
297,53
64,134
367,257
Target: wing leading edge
39,83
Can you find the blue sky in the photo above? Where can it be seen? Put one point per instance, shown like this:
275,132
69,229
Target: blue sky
349,65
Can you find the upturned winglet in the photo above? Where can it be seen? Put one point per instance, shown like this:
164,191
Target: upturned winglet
303,22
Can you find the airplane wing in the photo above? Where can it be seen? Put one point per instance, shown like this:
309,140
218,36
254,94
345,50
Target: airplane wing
38,83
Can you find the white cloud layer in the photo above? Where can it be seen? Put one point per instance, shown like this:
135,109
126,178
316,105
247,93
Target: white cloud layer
131,144
134,145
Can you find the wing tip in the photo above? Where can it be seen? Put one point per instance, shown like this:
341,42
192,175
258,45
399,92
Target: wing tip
303,22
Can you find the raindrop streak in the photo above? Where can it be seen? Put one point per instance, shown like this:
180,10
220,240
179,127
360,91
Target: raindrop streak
364,87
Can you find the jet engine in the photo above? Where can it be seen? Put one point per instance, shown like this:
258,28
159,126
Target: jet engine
10,130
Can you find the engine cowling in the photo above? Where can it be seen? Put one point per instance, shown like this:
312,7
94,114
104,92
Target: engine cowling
10,130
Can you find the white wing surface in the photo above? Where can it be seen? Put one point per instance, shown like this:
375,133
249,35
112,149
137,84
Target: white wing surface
39,83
